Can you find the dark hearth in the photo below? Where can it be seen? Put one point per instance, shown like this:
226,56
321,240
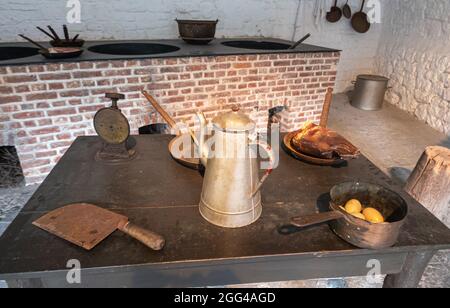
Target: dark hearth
10,170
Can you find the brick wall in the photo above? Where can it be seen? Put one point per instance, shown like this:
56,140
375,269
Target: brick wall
45,107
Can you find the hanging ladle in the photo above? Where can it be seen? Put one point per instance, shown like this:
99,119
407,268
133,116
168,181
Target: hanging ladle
347,11
335,13
300,41
360,20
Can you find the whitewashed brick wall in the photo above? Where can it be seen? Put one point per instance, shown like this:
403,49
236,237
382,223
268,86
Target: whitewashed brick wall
415,54
154,19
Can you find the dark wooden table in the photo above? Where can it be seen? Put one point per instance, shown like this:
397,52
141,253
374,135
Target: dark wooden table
158,193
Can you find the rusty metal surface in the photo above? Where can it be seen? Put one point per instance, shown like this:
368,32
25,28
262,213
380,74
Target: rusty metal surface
154,190
81,224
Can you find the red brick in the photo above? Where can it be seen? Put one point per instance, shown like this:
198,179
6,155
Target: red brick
159,86
20,78
18,69
41,96
196,67
55,86
220,66
46,154
102,91
88,83
282,63
103,65
6,90
64,136
26,141
54,76
36,68
28,114
137,88
184,84
60,144
65,111
59,104
76,119
242,65
171,69
34,163
208,82
74,93
175,99
42,105
87,74
90,108
73,84
45,131
118,81
46,138
70,66
133,80
22,89
124,72
118,64
75,102
10,99
38,87
86,65
44,122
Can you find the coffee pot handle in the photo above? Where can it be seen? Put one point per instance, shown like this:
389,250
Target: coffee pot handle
268,149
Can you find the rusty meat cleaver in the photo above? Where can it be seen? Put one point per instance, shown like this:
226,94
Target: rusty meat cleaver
86,225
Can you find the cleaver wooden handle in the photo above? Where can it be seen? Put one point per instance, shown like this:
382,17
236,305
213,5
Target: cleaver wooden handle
146,237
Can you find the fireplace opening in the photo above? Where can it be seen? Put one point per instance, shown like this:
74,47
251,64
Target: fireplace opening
155,129
11,173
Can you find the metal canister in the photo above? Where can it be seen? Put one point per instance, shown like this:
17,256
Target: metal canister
369,92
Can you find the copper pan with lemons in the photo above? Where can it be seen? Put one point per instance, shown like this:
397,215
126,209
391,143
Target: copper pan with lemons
365,215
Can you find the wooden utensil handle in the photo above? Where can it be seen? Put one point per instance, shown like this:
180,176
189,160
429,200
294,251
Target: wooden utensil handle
146,237
326,108
160,110
310,220
66,33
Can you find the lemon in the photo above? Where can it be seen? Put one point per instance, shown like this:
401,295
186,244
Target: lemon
359,215
353,206
373,216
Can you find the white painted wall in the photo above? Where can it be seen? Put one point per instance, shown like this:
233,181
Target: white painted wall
153,19
415,54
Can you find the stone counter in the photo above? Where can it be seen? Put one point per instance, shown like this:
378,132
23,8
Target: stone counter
44,107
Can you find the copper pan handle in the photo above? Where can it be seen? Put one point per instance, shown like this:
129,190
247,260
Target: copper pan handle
160,110
326,108
315,219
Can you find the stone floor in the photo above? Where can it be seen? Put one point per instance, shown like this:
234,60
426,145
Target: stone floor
391,138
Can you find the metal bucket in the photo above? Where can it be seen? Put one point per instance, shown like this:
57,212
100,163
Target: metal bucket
369,92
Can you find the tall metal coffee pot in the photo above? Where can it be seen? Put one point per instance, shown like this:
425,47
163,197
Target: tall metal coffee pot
231,195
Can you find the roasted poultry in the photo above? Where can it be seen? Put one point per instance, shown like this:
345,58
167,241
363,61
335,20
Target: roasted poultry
322,142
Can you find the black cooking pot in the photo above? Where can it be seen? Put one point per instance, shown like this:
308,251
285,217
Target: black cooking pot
197,31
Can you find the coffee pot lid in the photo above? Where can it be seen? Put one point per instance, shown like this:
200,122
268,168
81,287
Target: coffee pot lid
234,121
